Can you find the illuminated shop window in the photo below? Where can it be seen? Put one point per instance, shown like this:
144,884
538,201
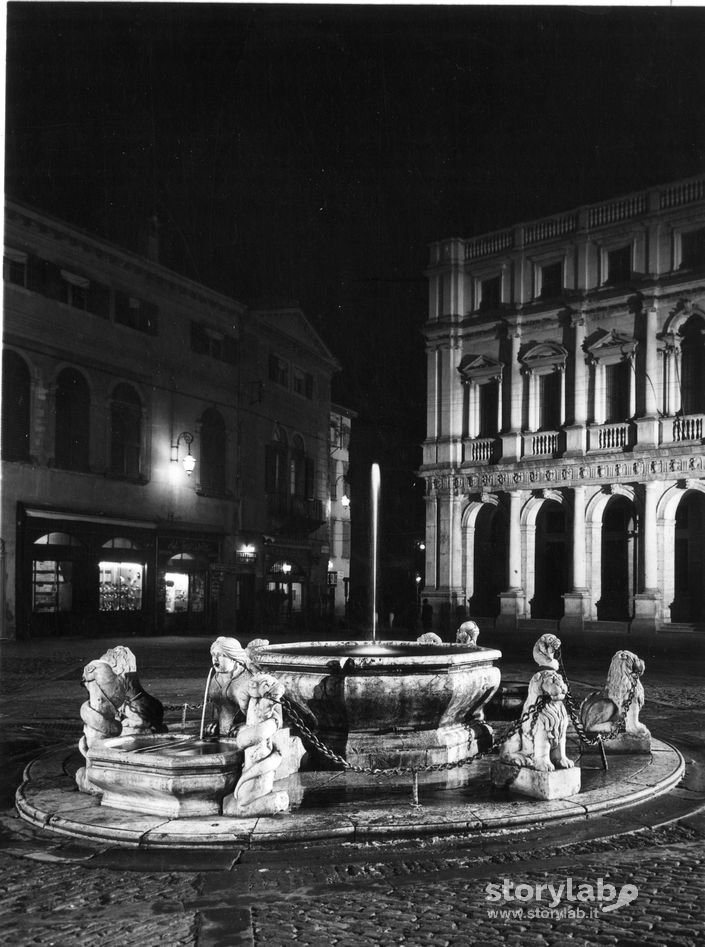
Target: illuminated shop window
185,592
52,588
120,586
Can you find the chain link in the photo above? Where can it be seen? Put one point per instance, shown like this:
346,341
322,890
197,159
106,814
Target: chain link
619,727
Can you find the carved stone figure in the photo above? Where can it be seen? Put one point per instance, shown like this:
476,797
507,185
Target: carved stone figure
254,794
228,691
467,633
101,712
429,637
541,744
545,651
139,712
603,711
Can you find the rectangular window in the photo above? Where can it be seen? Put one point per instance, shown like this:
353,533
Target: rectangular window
213,343
491,293
550,401
135,313
120,587
303,383
488,409
693,248
15,267
619,265
617,391
278,371
52,586
551,280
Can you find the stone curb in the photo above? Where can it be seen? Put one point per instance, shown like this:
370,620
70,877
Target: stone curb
49,800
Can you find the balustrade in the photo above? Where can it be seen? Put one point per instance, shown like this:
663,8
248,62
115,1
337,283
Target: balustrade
688,427
541,444
480,450
610,436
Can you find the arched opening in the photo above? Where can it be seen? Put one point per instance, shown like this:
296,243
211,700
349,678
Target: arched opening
689,560
185,589
72,421
552,576
490,573
619,558
15,407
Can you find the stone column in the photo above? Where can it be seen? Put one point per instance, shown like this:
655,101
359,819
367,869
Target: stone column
512,601
576,602
576,433
648,426
511,439
646,603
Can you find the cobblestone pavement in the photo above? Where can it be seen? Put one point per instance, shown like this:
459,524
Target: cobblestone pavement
424,892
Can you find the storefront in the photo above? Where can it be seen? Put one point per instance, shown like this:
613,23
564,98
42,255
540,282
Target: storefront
80,575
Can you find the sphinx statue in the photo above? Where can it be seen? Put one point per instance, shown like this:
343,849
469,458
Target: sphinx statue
254,793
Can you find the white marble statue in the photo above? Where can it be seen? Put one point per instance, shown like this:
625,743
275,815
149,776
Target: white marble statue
467,633
603,711
101,712
228,692
429,637
545,651
140,712
254,793
540,744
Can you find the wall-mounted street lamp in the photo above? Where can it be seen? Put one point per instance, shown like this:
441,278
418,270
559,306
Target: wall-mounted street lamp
189,460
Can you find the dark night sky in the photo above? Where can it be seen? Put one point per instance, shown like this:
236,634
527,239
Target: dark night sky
312,153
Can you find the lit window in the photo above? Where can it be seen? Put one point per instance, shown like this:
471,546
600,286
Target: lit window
120,588
52,588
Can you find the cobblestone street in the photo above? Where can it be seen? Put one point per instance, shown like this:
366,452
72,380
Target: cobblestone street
427,891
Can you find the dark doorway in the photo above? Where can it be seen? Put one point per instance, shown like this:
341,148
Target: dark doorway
619,552
689,566
489,562
552,564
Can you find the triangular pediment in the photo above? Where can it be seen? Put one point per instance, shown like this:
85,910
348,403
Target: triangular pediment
609,344
478,368
292,323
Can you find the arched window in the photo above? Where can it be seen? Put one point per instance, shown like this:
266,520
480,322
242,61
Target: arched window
72,421
15,407
693,366
212,472
125,432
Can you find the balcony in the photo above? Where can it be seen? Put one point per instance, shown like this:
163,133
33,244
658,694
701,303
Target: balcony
610,436
686,429
294,515
479,450
543,444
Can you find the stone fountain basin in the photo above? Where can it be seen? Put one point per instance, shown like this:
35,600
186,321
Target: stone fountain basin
164,774
387,703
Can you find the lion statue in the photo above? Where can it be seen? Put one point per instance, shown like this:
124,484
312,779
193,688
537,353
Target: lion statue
429,637
601,711
540,745
545,651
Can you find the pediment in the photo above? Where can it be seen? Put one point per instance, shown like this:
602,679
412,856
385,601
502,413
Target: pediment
544,357
479,368
612,345
291,322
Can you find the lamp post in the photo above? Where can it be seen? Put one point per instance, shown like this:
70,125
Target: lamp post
189,461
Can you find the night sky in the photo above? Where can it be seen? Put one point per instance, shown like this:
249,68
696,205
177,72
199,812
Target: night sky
311,153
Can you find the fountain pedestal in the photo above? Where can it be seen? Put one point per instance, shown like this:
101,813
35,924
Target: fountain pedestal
395,703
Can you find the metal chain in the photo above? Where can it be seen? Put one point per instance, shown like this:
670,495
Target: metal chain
531,713
621,724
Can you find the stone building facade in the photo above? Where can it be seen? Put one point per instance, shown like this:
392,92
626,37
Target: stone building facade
565,452
341,421
116,370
